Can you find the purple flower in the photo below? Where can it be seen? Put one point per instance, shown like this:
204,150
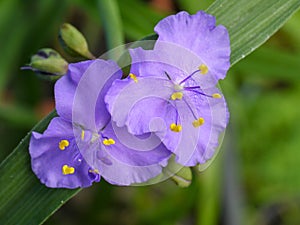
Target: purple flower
171,89
83,144
56,159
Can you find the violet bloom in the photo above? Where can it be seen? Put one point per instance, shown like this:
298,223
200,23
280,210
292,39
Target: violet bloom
83,144
56,160
171,89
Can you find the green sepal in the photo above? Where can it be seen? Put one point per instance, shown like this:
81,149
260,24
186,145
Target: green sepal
181,175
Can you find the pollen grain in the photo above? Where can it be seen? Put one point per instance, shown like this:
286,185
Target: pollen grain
66,170
203,69
108,142
177,95
63,144
198,122
175,127
133,77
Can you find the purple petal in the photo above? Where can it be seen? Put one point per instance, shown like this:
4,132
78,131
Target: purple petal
80,94
157,63
199,34
151,114
124,94
130,160
65,88
168,58
48,160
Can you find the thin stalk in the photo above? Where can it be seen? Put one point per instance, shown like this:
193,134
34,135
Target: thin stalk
112,24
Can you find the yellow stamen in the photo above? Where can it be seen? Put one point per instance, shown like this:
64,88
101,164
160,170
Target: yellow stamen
216,95
203,69
68,170
94,171
177,95
175,128
63,144
82,135
198,122
133,77
109,141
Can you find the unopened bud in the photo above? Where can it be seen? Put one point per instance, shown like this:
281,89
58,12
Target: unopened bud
74,42
48,62
181,175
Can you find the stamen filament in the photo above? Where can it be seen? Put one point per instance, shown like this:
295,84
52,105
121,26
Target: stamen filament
168,76
190,88
188,77
215,95
198,92
102,128
190,108
177,114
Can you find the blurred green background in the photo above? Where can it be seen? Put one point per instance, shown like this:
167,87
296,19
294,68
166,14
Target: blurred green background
255,178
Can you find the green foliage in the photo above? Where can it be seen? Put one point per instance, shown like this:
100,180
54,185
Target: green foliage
23,200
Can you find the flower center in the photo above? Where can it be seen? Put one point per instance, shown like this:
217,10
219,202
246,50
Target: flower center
178,94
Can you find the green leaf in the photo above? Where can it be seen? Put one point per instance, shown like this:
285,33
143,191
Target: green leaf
271,63
135,28
192,6
17,116
251,23
23,199
16,34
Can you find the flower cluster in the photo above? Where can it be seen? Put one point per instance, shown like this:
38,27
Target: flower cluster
126,130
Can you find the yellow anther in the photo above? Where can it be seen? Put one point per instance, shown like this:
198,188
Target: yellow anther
175,128
177,95
94,171
203,69
68,170
133,77
198,122
82,135
109,141
63,144
216,95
